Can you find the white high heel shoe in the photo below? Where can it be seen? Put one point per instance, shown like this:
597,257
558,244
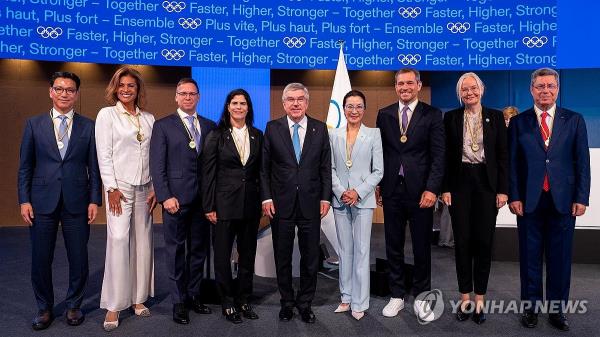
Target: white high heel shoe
343,307
142,312
111,325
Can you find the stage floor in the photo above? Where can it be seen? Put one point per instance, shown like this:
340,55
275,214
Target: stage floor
17,304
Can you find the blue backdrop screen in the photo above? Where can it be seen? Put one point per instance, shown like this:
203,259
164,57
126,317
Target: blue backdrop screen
295,34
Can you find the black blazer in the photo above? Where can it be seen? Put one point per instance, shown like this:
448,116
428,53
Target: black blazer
174,166
422,156
228,187
282,178
494,145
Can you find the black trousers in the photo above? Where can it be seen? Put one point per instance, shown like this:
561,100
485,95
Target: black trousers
309,232
244,232
473,212
187,241
76,233
398,209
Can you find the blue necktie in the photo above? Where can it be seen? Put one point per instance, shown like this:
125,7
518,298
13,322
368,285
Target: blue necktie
194,132
404,128
296,142
63,131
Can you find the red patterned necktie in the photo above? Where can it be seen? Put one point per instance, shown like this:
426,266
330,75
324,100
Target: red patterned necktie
545,130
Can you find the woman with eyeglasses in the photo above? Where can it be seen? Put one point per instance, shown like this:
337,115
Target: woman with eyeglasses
123,143
230,199
475,186
357,168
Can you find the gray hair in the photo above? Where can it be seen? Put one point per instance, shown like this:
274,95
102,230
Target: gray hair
462,79
405,71
293,87
544,72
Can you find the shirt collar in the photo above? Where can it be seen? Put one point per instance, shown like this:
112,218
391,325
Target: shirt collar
243,129
302,122
412,105
183,115
550,111
69,114
121,109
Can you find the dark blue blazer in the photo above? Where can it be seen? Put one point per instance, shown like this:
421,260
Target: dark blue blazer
282,177
174,166
567,160
422,156
44,176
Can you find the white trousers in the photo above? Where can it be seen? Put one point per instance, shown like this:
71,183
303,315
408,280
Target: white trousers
354,236
129,265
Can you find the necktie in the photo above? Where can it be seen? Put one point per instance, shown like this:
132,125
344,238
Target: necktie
545,130
63,131
404,120
296,142
194,132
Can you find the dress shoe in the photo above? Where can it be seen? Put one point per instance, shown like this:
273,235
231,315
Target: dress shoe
232,315
358,315
463,315
180,314
343,307
308,316
43,320
529,319
75,316
286,314
199,307
559,321
111,325
393,307
479,317
248,312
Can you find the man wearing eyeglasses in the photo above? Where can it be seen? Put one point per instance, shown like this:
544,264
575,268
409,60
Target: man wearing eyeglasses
549,186
175,157
296,189
59,181
412,134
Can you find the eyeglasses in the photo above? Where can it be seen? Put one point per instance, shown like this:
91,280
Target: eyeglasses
541,87
358,108
61,90
187,94
292,100
471,89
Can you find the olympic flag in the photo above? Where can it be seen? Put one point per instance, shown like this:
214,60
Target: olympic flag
336,119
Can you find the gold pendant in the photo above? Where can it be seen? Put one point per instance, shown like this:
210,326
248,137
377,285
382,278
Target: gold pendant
192,144
403,139
139,137
547,142
349,163
475,147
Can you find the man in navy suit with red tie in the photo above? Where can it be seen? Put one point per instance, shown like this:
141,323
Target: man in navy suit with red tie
549,186
59,181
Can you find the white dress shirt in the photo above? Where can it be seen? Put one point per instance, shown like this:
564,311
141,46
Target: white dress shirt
242,137
121,157
549,118
57,121
301,129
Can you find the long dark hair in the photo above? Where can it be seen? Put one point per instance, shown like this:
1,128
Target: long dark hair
225,121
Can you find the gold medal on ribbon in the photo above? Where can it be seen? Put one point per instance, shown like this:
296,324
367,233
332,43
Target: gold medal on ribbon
139,137
60,145
349,163
403,139
475,147
192,144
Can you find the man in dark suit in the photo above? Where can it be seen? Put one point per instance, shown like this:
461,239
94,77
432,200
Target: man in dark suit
412,134
296,189
549,174
175,155
59,181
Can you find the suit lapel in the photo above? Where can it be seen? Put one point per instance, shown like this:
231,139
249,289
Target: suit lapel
253,134
50,136
558,126
486,129
284,133
76,131
182,128
361,138
535,127
414,120
308,138
459,129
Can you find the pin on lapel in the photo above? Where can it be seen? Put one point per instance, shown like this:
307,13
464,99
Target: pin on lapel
487,120
314,130
252,137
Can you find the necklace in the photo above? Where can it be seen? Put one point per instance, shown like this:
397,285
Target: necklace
240,145
473,132
60,137
136,122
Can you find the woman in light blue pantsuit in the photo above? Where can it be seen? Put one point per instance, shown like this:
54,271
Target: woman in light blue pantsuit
357,167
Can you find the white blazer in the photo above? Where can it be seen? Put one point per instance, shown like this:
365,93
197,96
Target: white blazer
367,165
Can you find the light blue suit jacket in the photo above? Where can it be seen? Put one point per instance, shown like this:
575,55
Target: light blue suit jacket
367,165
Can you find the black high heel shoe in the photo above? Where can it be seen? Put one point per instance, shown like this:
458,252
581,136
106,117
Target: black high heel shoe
462,315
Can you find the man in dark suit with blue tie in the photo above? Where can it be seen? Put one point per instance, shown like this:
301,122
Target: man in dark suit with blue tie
59,181
549,176
412,134
296,189
175,157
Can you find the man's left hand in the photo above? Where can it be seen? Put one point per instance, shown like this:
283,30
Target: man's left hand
324,208
92,212
428,199
578,209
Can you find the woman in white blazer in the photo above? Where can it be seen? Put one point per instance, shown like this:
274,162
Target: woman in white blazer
123,146
357,168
